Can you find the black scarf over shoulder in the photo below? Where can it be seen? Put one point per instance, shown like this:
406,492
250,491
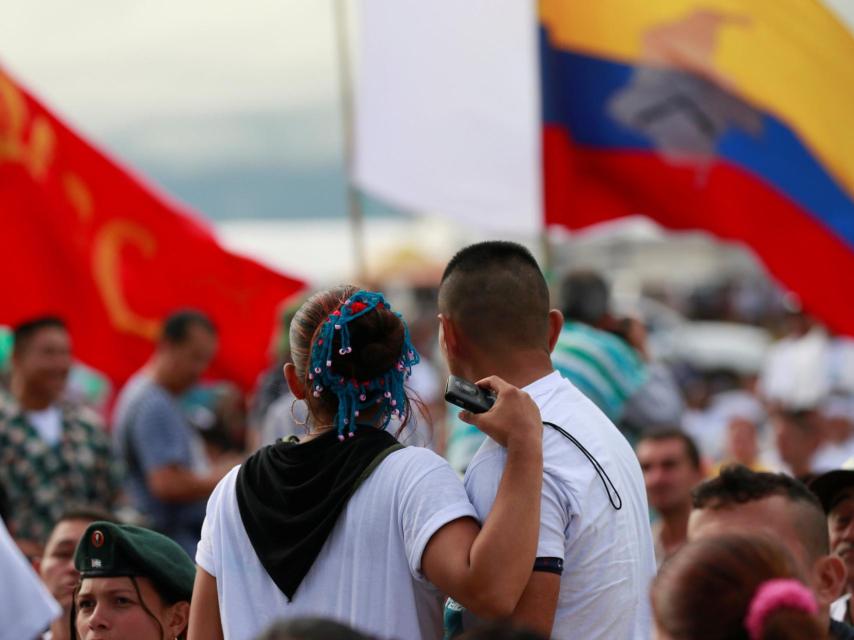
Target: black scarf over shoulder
290,496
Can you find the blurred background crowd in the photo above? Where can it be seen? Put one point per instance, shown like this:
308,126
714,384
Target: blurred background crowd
682,172
735,364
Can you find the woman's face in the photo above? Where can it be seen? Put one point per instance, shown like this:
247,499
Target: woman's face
110,609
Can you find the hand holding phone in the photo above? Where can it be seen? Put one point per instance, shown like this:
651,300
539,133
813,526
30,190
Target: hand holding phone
468,396
502,411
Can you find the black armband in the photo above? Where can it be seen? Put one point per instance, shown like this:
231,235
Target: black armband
549,565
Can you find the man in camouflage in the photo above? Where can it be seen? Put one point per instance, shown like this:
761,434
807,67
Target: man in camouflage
53,455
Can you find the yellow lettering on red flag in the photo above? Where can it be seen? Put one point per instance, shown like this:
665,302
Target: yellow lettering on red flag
33,147
106,269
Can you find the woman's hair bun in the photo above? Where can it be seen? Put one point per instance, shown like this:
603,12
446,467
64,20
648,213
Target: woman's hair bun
377,340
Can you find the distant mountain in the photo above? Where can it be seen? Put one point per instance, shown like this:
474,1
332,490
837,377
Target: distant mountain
259,192
263,165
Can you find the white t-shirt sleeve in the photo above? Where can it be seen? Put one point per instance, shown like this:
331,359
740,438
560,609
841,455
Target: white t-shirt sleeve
483,476
26,607
482,480
206,555
434,498
554,521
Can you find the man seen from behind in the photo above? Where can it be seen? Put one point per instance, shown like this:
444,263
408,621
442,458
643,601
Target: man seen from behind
595,557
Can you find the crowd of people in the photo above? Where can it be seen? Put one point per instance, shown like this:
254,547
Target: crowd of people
602,495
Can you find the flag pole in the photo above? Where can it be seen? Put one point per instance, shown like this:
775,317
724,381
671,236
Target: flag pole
345,85
548,261
546,249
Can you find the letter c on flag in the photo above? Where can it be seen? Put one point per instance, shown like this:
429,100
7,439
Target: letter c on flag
106,266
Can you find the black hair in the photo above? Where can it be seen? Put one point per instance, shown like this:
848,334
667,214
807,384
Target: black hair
497,295
24,332
176,327
738,485
311,629
86,513
584,297
691,449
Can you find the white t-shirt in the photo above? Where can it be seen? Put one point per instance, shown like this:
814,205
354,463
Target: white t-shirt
796,372
26,606
48,423
839,608
608,554
367,575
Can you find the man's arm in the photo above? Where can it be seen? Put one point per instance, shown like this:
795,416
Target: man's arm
538,604
486,569
161,449
174,483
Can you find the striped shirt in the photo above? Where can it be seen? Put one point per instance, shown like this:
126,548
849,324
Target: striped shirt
604,367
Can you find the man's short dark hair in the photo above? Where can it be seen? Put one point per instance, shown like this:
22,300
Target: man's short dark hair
738,485
584,297
86,513
176,327
497,295
24,332
675,434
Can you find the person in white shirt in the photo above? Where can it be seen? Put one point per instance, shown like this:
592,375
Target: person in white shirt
595,554
349,525
26,606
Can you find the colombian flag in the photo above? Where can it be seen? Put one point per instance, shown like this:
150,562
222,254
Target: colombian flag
733,116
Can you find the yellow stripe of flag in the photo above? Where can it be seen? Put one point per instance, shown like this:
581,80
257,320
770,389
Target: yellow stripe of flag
790,58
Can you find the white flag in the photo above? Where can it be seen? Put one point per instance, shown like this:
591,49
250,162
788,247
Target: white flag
447,110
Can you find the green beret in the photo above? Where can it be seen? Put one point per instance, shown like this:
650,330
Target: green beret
109,550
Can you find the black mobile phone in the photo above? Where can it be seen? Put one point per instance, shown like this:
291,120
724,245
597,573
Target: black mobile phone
467,395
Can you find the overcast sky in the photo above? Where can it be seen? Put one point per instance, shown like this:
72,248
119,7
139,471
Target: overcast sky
106,63
230,105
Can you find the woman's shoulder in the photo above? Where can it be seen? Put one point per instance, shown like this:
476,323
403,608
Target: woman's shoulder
224,490
409,465
417,456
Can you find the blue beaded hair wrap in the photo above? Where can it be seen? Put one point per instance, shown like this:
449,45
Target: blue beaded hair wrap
354,395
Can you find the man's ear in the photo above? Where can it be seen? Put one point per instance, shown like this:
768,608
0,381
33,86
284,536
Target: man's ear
176,617
294,383
449,337
555,327
830,577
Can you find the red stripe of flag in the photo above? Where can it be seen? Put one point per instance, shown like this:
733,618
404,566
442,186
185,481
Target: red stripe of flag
585,186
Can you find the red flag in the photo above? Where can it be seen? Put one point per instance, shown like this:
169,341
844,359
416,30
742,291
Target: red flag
88,241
